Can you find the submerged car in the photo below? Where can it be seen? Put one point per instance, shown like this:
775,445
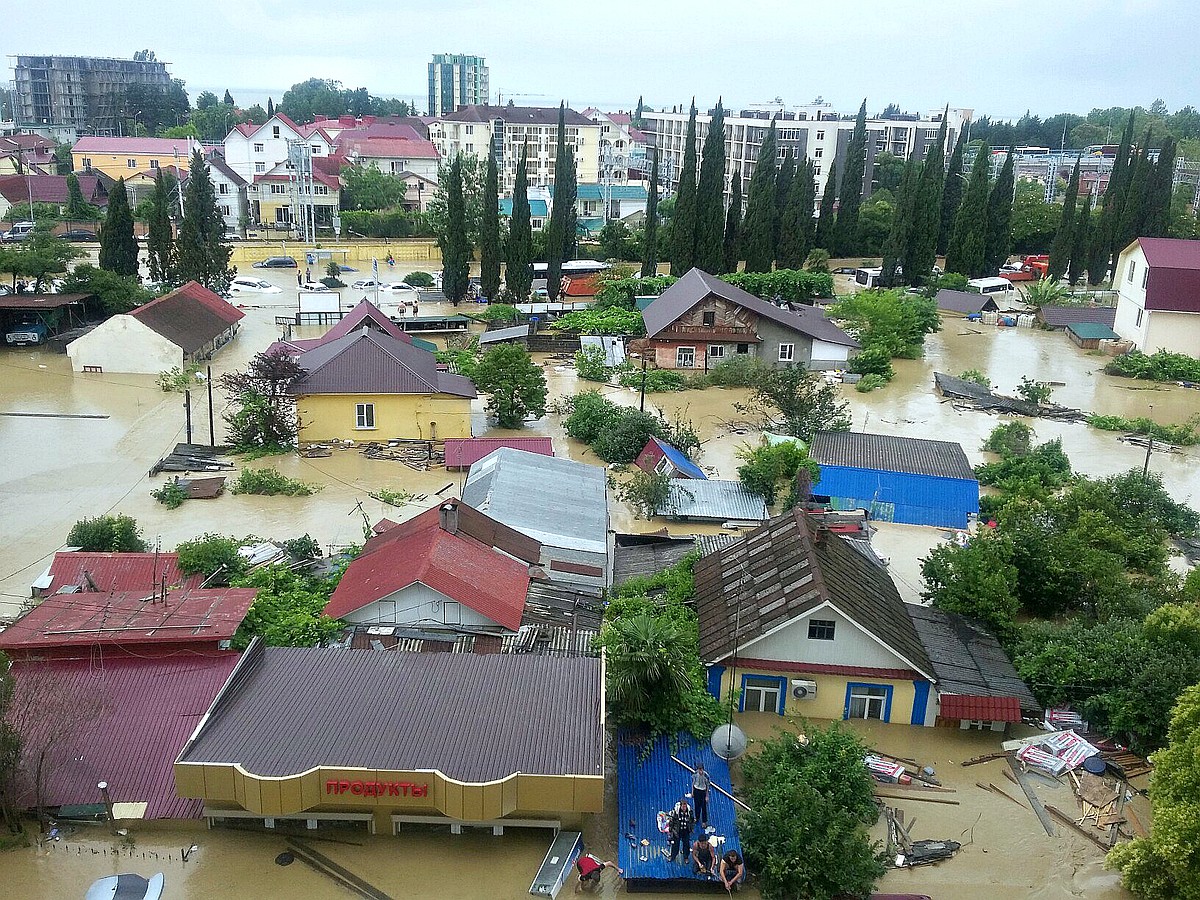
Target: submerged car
253,286
78,234
126,887
28,331
369,284
276,262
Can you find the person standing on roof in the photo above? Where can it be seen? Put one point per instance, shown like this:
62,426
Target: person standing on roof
679,827
700,794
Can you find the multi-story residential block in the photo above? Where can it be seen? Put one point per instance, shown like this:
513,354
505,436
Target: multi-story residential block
392,149
252,150
507,129
455,81
622,145
816,130
80,94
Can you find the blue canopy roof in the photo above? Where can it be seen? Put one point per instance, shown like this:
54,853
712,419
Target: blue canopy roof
537,208
680,460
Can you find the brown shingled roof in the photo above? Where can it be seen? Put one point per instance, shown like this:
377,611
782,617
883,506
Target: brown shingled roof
371,362
189,316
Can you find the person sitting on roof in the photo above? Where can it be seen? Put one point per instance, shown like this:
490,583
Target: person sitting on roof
703,859
733,870
590,869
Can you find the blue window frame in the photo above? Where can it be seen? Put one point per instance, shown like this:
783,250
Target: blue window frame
760,687
868,701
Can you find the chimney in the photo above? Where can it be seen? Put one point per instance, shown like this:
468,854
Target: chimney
820,536
448,518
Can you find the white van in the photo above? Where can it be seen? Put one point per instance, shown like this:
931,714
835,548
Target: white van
990,286
868,278
18,232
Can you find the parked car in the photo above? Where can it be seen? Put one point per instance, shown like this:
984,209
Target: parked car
27,331
315,287
18,232
369,284
78,234
276,262
401,288
253,286
231,236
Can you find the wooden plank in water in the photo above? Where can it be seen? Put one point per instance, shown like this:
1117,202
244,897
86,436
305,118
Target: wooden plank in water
986,757
1069,822
1031,796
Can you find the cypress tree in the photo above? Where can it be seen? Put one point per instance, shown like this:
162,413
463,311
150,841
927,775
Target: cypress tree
1098,250
1081,239
952,192
571,218
795,224
270,107
637,113
518,273
683,223
731,245
160,245
489,234
965,254
228,101
1114,198
825,220
845,236
118,246
1064,238
456,248
710,196
783,186
895,248
201,255
556,237
1158,197
650,232
1132,220
998,236
77,206
926,212
758,229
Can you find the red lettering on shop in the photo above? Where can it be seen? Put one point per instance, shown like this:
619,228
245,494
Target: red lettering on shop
377,788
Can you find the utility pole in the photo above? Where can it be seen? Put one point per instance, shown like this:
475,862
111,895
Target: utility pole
187,409
1149,448
212,427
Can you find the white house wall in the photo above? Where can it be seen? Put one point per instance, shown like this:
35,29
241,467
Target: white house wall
419,605
1178,332
851,646
124,344
1131,298
827,356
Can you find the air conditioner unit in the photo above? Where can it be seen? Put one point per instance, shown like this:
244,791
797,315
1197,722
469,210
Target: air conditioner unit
804,690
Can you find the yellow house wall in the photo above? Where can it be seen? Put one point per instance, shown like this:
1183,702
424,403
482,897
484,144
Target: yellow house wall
116,165
830,702
324,417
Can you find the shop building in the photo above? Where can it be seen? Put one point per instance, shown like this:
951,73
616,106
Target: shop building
390,738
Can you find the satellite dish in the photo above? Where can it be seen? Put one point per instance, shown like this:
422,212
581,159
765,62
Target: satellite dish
728,741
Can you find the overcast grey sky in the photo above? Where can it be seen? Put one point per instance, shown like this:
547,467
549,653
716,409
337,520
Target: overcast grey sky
999,58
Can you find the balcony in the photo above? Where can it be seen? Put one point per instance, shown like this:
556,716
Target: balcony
743,333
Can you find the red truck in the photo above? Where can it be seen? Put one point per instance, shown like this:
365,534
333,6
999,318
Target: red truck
1030,268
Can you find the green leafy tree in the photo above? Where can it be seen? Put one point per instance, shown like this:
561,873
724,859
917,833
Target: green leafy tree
1157,218
952,193
650,231
289,609
683,223
966,253
792,401
456,246
758,230
160,244
516,385
472,171
732,239
767,468
262,413
228,100
205,99
214,555
202,256
118,246
998,233
851,188
38,257
978,581
365,187
646,492
618,242
1115,196
710,197
636,118
107,534
115,293
1064,238
892,320
825,217
518,271
489,234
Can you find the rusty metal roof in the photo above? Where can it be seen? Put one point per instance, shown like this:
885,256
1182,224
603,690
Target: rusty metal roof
116,571
462,453
474,718
135,716
189,316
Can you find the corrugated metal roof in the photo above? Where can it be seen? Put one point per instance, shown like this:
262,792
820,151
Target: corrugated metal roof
514,115
965,302
560,502
189,316
474,718
891,453
980,709
647,785
779,572
464,452
512,333
679,459
968,660
91,619
1062,316
537,208
116,571
368,361
136,715
1174,280
166,147
1092,331
647,558
712,499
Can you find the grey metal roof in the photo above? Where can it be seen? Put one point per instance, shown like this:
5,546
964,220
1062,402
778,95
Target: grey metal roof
967,658
696,285
965,302
785,568
1062,316
891,453
371,362
512,333
472,717
557,501
515,115
713,499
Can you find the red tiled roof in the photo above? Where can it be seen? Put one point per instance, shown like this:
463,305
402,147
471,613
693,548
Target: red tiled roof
136,715
775,665
1174,280
129,617
117,571
461,453
386,147
457,565
49,188
119,145
980,709
323,177
189,316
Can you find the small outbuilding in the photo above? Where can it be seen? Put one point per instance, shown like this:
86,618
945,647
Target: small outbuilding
897,479
1057,318
964,303
1088,335
693,500
666,459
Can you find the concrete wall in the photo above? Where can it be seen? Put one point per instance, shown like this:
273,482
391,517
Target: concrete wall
419,604
774,335
357,255
325,417
123,344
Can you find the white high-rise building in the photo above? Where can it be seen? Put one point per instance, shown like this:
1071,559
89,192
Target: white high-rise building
455,81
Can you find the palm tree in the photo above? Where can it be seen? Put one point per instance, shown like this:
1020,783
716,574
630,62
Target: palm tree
648,664
1045,292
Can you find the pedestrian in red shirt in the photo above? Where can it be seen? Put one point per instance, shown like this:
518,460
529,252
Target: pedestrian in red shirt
590,869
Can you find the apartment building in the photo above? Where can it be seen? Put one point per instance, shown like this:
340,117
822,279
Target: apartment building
252,150
506,129
816,129
455,81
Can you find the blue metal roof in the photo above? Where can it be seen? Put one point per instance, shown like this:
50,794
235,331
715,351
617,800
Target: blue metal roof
680,460
900,496
592,192
648,786
537,208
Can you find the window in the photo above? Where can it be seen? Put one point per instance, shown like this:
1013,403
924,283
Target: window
1138,322
742,349
761,694
275,131
821,629
316,149
787,352
868,701
818,153
131,163
716,351
451,612
222,188
1132,266
279,189
260,168
87,162
820,135
225,211
816,170
1145,277
364,415
709,319
470,129
258,148
154,163
320,189
685,357
663,467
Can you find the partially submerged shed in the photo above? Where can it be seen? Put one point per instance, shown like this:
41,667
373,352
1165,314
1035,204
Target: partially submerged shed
712,501
1088,335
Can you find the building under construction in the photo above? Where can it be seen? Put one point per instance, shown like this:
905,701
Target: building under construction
82,93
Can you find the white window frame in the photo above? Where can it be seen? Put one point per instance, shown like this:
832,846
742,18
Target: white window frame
154,163
680,356
258,148
260,168
763,693
1132,267
820,135
871,701
275,131
1145,277
787,352
131,163
716,351
278,188
1138,323
364,416
821,626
